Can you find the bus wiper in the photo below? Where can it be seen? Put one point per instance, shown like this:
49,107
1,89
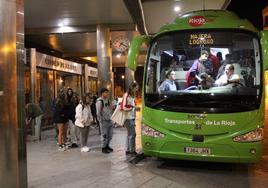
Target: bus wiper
227,103
160,101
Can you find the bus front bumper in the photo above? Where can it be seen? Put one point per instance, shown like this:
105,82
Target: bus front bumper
216,152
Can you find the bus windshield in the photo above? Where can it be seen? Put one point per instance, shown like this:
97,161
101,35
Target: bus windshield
210,69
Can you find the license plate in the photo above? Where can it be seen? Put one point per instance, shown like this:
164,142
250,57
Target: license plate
197,150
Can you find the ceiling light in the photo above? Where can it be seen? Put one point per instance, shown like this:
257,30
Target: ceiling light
65,29
61,24
21,13
118,55
92,59
65,22
177,8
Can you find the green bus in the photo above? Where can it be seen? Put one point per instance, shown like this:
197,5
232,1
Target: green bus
203,121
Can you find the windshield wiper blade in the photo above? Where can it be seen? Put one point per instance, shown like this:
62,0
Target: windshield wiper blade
227,104
160,101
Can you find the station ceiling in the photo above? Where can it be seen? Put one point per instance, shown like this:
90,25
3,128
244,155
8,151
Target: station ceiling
68,27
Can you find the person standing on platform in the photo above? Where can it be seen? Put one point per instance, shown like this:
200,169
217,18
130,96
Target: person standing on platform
61,119
128,105
104,113
83,120
70,108
34,114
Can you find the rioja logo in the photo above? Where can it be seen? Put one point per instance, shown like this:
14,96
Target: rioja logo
196,21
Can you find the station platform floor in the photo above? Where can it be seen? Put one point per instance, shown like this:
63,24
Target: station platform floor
47,167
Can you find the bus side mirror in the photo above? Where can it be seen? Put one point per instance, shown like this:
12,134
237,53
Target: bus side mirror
264,45
134,49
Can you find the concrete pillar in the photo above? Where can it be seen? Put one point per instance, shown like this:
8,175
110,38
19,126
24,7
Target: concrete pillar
33,74
104,54
130,75
86,75
13,167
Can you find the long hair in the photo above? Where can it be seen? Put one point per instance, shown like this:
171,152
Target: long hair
84,98
131,88
61,100
69,96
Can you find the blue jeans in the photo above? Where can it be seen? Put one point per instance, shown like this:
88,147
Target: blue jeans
106,132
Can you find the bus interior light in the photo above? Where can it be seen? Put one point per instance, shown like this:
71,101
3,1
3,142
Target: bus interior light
148,131
252,136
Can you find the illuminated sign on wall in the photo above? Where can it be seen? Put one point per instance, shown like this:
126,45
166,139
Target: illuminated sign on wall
55,63
92,72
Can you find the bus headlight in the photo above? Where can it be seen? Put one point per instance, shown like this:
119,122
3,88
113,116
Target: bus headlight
252,136
148,131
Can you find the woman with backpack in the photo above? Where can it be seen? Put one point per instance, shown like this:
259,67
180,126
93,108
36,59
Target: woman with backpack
83,119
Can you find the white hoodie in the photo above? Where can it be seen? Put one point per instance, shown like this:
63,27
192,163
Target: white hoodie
83,117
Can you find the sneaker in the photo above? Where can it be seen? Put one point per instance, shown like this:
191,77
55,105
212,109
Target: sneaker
133,153
87,149
105,150
65,146
61,148
74,145
109,149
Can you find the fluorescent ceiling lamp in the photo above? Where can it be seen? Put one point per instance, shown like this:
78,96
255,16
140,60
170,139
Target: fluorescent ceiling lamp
177,8
64,22
60,24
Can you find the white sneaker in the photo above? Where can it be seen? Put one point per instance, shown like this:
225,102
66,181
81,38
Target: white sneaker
61,148
85,149
82,149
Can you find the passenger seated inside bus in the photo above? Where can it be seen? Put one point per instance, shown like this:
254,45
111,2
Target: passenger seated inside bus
172,65
229,77
227,60
169,83
198,67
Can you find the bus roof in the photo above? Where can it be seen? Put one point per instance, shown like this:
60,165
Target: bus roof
208,19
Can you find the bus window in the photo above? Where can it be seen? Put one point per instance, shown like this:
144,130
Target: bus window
170,49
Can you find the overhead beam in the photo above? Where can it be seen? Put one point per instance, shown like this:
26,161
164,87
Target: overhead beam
79,54
92,54
123,64
136,11
144,1
78,29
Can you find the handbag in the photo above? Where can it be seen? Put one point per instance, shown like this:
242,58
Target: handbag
119,116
